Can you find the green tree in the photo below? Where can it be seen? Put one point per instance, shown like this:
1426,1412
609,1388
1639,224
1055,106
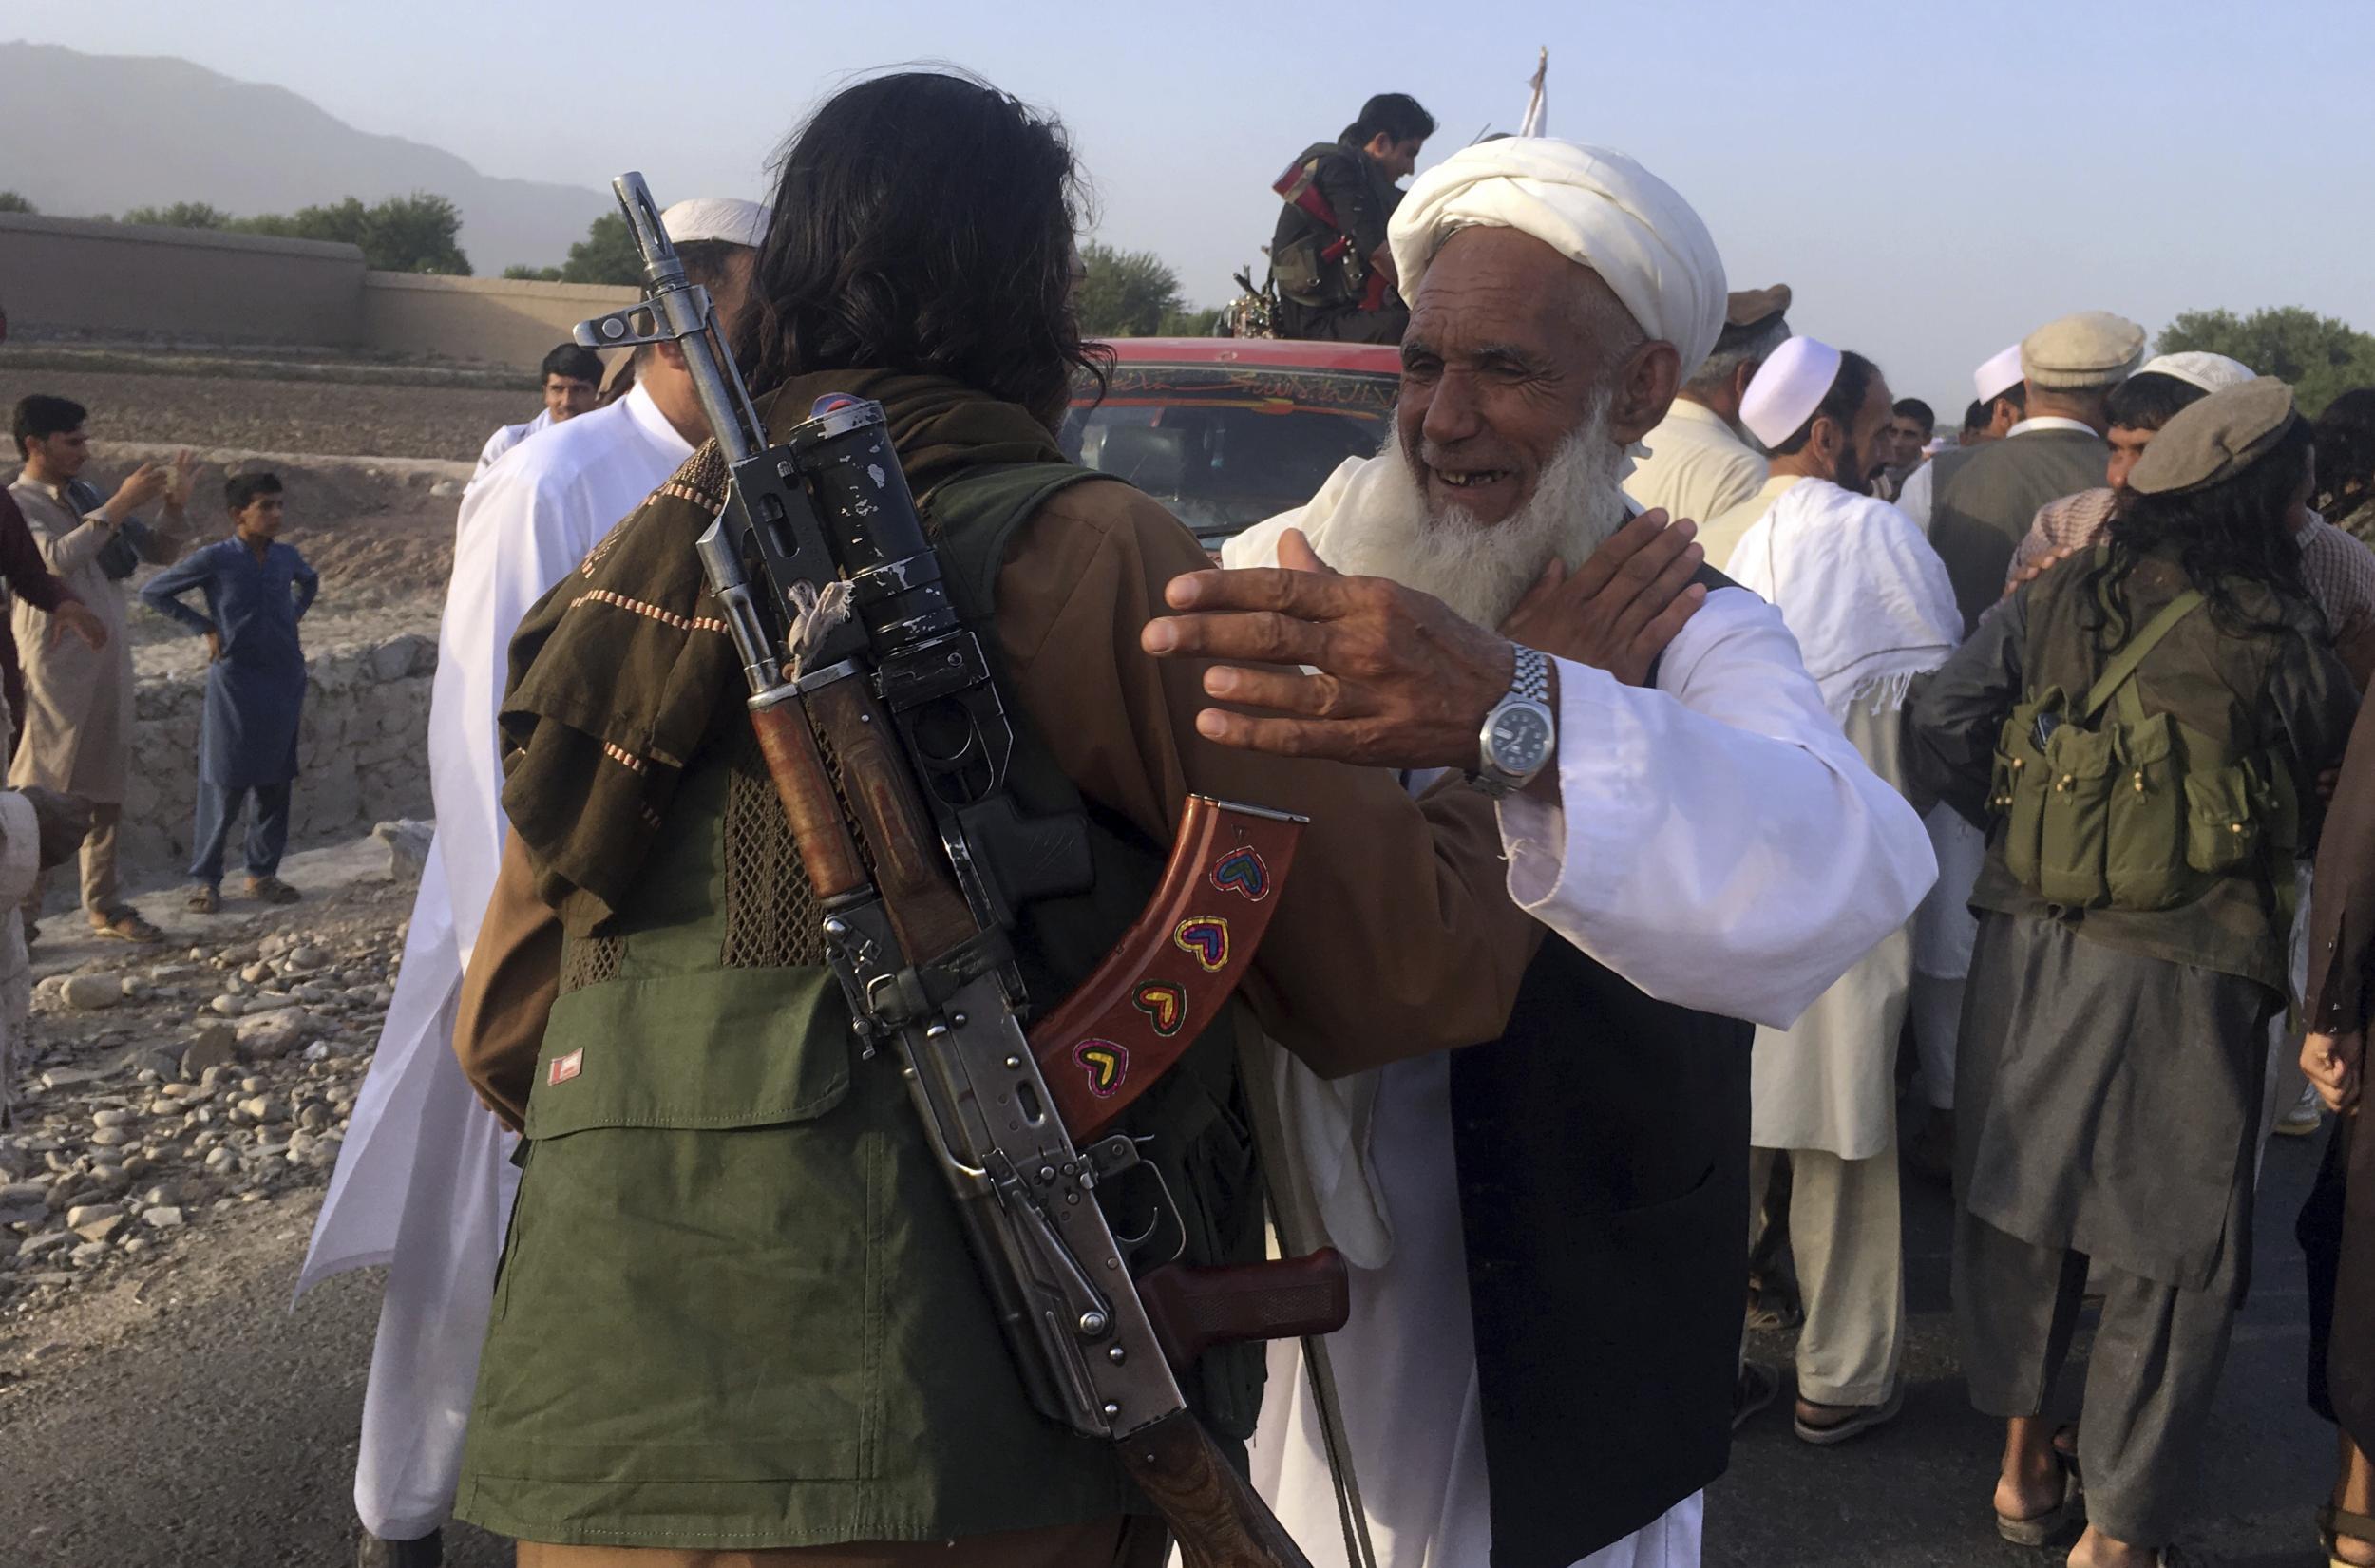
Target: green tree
420,232
2322,356
182,214
606,254
1192,323
1124,293
404,234
11,202
522,272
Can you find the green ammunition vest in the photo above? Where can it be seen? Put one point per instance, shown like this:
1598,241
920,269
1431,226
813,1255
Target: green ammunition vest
736,1308
2138,787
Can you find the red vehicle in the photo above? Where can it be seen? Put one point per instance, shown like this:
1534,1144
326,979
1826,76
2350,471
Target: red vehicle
1227,431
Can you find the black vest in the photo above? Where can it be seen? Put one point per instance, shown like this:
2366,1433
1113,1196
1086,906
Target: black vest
1602,1146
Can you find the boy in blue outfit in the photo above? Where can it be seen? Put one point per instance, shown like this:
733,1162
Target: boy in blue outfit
257,591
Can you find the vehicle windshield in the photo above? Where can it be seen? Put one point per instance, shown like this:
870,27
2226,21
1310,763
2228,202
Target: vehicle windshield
1225,446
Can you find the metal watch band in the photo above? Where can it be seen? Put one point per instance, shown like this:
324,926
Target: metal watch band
1532,679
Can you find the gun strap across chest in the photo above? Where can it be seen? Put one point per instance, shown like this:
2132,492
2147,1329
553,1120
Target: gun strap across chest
2122,668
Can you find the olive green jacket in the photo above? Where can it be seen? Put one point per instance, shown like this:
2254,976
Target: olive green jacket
736,1310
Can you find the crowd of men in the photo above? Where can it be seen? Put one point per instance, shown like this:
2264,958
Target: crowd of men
1688,733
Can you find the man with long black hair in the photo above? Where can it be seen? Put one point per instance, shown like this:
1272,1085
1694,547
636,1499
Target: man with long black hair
2140,732
737,1311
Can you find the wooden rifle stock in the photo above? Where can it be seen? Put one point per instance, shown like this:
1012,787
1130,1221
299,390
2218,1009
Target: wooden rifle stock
919,891
1212,1512
805,790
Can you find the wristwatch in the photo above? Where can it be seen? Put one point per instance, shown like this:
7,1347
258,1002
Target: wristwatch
1520,733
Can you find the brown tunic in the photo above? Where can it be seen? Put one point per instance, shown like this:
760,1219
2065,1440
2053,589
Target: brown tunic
77,721
1394,937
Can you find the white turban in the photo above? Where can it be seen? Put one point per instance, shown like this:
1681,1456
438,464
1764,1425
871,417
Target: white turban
1591,205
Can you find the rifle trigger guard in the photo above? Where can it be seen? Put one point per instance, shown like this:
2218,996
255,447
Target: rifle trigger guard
1110,1157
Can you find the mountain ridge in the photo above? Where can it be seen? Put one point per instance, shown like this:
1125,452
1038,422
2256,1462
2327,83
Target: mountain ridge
174,130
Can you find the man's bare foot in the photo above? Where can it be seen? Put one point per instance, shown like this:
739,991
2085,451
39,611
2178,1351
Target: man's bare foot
2097,1550
2029,1485
2028,1496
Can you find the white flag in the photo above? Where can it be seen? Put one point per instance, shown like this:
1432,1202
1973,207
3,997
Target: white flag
1537,107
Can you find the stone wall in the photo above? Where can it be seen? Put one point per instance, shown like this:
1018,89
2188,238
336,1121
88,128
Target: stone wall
362,754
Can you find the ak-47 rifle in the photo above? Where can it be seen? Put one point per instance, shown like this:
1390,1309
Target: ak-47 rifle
1299,187
835,603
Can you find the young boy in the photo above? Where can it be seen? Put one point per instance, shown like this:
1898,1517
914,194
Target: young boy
257,591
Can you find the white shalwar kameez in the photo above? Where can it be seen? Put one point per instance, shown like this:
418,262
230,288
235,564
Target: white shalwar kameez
1871,607
1720,845
508,436
425,1181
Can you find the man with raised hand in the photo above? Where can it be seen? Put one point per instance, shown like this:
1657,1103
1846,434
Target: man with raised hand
1685,815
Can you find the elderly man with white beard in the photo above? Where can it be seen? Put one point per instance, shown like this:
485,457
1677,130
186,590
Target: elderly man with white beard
1541,1364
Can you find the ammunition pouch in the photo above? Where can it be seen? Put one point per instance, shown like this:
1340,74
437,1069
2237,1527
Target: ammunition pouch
2133,811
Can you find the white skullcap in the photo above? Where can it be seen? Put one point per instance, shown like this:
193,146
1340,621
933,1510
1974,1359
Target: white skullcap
725,217
2211,372
1788,388
1998,376
1592,206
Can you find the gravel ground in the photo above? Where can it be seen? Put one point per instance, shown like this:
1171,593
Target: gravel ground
268,415
182,1415
160,1404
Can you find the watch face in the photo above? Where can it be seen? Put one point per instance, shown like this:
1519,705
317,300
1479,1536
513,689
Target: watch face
1521,740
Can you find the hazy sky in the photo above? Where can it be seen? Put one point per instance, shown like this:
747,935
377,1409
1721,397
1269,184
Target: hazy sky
1933,180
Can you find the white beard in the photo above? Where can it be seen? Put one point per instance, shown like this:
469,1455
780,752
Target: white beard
1482,572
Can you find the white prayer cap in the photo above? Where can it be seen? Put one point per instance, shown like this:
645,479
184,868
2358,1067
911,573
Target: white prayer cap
2211,372
1592,206
725,217
1998,376
1788,388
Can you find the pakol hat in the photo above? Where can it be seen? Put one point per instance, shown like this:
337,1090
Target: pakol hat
726,218
2082,352
1754,307
2211,372
2215,439
1998,376
1788,388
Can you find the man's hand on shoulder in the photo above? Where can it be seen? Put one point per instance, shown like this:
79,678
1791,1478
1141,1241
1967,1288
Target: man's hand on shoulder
1618,610
2021,577
1401,681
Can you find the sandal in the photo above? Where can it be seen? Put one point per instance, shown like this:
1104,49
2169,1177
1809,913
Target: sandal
203,899
2039,1529
127,927
2336,1524
272,890
1859,1420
